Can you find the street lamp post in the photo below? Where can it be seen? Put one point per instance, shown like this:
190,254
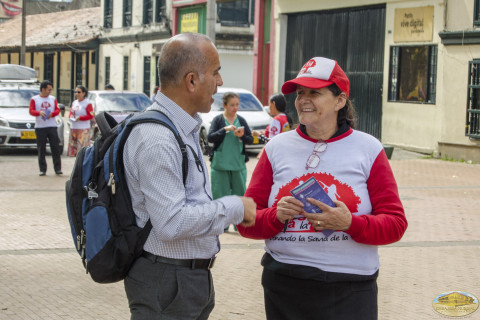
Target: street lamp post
211,19
22,48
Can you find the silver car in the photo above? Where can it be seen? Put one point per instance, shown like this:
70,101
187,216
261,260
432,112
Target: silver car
118,104
17,126
250,108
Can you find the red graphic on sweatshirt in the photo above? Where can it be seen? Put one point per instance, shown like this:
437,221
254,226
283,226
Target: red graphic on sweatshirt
310,64
334,188
45,105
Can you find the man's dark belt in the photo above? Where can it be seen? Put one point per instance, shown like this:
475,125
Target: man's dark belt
190,263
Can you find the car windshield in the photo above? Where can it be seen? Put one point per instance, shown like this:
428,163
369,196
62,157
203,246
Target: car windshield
248,102
117,102
16,98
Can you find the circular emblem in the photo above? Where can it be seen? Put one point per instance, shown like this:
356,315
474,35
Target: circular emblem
455,303
29,125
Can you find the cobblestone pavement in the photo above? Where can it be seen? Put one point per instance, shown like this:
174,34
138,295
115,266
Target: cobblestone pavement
41,276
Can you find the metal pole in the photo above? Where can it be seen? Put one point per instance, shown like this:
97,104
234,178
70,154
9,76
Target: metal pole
22,48
211,18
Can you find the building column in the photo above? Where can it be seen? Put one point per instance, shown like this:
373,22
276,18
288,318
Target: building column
258,49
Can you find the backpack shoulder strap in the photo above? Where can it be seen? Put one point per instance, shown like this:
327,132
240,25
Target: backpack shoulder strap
105,122
159,117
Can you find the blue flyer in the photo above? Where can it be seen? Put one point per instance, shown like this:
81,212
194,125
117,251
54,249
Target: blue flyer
47,113
312,189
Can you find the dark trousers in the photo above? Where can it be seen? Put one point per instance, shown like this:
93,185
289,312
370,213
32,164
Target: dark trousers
288,298
158,290
50,134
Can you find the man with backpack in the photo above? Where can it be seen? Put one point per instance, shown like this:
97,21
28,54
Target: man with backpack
172,279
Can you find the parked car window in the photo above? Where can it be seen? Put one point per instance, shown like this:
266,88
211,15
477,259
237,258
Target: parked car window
247,102
113,102
16,98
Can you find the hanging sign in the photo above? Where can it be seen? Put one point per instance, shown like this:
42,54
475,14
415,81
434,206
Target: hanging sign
413,24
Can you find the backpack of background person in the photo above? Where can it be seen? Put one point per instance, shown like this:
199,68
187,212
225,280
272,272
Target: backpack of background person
99,205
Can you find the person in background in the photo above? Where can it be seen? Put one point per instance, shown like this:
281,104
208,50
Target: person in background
281,121
81,112
323,265
229,133
155,90
109,87
44,108
172,279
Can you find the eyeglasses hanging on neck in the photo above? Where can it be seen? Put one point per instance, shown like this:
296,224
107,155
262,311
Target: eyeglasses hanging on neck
314,159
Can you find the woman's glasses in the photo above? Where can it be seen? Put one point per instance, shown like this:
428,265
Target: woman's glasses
78,91
314,158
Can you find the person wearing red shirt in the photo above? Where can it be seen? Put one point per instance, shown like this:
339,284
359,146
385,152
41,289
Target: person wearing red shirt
81,112
45,108
323,265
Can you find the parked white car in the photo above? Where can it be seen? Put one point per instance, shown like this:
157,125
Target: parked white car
17,126
250,108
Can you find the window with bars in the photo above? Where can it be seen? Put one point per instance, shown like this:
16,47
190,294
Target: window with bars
147,11
48,67
160,10
127,13
146,74
238,13
472,124
108,14
476,12
107,70
125,73
413,74
78,69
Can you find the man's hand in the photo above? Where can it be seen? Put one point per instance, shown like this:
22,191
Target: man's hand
249,213
288,207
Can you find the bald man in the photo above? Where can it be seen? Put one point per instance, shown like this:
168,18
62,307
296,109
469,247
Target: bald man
172,279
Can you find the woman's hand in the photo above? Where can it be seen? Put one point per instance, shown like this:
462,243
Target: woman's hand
288,207
230,128
239,132
334,218
257,133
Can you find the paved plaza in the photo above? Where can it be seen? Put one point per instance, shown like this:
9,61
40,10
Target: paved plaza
41,276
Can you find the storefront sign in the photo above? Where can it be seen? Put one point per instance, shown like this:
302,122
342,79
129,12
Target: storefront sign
413,24
182,3
189,22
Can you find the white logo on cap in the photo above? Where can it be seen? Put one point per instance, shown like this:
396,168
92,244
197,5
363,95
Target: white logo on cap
320,68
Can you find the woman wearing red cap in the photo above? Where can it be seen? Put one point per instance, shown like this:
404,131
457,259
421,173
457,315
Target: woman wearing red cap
323,265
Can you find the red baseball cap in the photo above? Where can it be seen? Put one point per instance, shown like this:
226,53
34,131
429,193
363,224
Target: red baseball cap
318,73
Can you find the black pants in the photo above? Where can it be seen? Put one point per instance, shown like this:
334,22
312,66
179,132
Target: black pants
163,291
50,134
291,298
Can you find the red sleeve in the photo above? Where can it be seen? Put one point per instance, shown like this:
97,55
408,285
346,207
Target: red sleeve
89,114
32,109
267,131
387,223
266,223
55,112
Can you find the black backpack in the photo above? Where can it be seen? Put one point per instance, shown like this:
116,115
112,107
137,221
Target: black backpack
99,205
